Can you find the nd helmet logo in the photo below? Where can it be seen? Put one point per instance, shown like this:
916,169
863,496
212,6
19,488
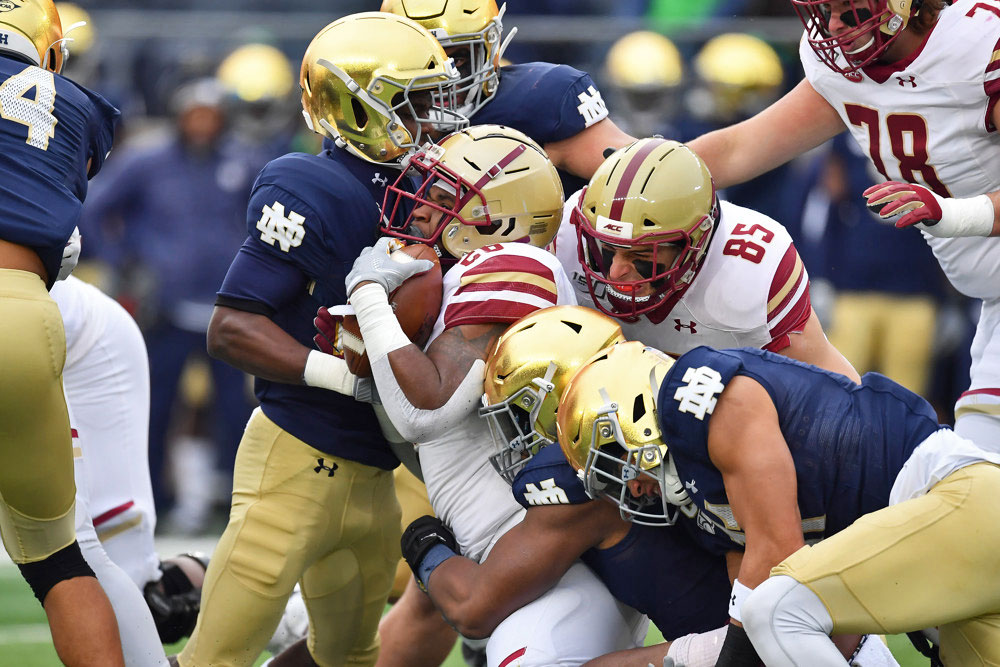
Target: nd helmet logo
7,5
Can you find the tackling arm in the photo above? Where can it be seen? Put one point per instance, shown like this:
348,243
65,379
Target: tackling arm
799,121
525,563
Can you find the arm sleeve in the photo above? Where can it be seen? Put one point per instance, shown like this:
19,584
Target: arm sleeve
788,301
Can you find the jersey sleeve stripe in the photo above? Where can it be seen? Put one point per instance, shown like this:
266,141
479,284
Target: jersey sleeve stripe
501,295
508,263
486,312
514,288
112,513
546,283
786,279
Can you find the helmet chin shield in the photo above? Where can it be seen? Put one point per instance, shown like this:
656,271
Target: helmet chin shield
513,425
870,27
673,260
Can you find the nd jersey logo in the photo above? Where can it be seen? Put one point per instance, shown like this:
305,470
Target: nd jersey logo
546,493
274,226
591,106
698,397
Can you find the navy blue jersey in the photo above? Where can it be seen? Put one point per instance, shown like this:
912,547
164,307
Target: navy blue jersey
848,442
659,571
308,218
547,102
50,130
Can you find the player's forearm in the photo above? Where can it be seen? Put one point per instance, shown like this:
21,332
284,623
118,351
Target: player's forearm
255,345
420,379
636,657
456,590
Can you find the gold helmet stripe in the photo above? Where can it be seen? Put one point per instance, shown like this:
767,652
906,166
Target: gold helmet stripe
631,169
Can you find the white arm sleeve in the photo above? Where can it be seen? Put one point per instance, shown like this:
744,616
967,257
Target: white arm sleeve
416,425
698,650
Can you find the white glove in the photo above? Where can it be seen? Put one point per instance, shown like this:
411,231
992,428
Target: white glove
71,255
872,652
375,265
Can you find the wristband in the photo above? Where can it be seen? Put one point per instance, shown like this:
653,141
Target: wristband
437,554
965,217
736,598
328,372
378,324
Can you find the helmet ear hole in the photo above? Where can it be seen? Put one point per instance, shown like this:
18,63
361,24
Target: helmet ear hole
308,85
360,115
638,408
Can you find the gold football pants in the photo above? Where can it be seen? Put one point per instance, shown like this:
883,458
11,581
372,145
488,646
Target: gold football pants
930,561
298,515
413,500
37,491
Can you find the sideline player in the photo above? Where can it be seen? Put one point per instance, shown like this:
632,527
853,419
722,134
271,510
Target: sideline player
869,64
757,453
55,136
313,498
489,202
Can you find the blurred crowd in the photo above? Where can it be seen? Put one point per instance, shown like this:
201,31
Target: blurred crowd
165,218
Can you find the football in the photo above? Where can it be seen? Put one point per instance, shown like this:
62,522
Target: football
416,303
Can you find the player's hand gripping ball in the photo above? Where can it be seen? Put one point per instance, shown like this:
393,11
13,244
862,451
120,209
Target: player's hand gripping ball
416,303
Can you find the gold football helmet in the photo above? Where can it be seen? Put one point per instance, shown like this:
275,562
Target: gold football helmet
653,195
644,61
77,20
501,188
471,25
365,75
31,28
256,72
527,372
742,73
609,431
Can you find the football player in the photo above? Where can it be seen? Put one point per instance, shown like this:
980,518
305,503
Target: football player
556,105
757,454
489,200
55,135
649,242
868,65
525,375
313,498
106,381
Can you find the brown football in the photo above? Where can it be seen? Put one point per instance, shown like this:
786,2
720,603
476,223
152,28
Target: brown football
417,303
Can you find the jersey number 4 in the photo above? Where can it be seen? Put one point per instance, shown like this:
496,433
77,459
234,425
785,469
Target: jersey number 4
34,112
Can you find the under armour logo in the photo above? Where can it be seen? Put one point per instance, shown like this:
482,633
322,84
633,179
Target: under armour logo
274,226
690,326
698,397
379,179
691,487
591,106
912,80
322,466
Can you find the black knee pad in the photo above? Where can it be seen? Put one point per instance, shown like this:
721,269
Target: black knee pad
60,566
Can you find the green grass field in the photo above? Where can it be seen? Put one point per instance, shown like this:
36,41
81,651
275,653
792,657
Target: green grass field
25,641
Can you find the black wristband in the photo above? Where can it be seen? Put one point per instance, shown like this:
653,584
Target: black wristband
737,650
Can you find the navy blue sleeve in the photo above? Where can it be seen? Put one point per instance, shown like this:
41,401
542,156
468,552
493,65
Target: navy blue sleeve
581,105
259,276
549,479
286,227
102,131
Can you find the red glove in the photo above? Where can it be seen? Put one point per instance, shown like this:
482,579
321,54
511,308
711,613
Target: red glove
915,202
944,217
328,327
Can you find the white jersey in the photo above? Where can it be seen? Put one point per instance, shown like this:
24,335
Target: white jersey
496,284
752,289
927,120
